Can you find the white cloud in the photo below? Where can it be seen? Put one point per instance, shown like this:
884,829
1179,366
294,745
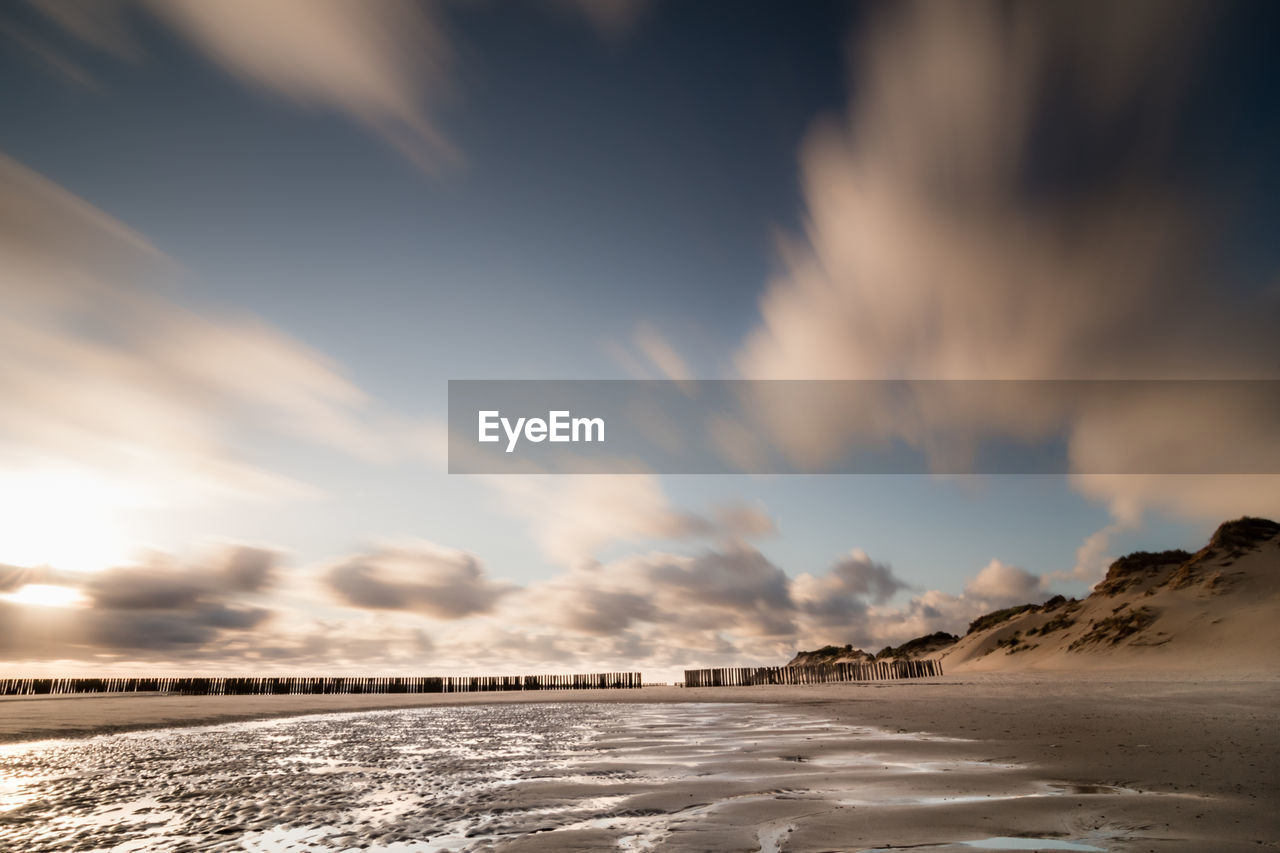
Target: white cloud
1002,585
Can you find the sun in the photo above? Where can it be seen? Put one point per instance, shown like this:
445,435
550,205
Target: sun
45,595
69,519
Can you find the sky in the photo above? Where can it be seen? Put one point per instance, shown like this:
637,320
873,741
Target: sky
244,247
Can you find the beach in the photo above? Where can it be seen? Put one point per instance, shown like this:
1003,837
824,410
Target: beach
1110,762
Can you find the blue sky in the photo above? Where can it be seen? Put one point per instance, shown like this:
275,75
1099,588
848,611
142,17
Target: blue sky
396,195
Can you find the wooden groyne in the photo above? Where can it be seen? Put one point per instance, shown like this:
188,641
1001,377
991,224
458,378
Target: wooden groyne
292,685
741,676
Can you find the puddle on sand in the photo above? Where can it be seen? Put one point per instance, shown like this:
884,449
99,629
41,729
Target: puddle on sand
888,762
1040,789
1003,842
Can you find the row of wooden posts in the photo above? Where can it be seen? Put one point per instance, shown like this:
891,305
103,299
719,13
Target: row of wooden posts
231,686
314,685
740,676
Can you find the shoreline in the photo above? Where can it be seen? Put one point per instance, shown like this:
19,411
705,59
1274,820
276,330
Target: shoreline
980,706
1196,752
29,718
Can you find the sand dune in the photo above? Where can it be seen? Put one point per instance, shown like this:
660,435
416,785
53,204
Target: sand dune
1216,609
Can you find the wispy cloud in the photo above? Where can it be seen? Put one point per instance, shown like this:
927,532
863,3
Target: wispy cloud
384,64
573,517
649,355
103,370
611,18
940,242
104,24
53,59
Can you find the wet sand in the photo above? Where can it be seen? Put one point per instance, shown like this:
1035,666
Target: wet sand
1109,762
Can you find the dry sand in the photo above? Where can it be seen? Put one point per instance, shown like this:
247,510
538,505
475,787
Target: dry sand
1203,749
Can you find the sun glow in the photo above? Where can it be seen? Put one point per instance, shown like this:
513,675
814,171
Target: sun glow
45,595
67,519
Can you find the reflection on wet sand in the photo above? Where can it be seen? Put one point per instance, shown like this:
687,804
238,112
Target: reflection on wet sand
529,776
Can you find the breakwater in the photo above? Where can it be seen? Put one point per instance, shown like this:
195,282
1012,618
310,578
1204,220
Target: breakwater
741,676
292,685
